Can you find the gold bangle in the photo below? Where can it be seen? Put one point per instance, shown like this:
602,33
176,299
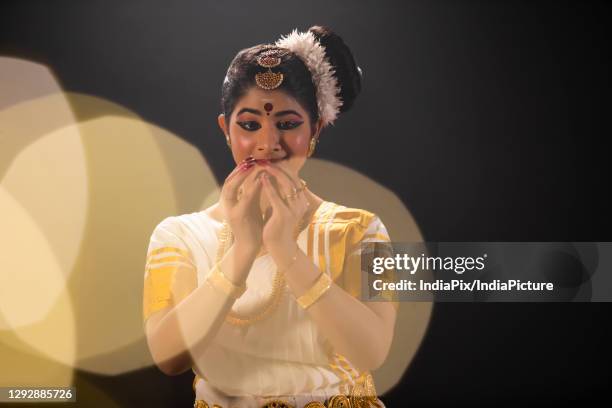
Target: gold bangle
218,280
317,290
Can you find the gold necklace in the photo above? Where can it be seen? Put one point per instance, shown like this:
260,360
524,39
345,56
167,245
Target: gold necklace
236,319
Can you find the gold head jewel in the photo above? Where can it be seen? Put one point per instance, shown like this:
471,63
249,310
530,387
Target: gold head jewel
268,79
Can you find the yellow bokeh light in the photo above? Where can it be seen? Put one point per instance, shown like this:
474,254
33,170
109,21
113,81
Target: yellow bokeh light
83,182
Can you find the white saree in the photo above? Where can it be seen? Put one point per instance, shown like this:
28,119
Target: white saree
283,356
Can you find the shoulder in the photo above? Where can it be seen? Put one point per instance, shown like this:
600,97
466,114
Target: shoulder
167,235
173,225
168,225
183,223
179,230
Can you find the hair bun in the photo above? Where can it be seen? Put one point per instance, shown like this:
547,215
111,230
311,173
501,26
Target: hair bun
341,58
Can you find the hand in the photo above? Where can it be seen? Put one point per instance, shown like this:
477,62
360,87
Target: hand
289,205
243,213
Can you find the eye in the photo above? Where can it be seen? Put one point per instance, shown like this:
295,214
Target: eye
249,125
288,124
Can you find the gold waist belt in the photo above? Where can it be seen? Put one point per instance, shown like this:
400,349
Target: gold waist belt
336,401
362,395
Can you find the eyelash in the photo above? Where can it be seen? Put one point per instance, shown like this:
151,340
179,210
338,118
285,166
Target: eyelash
292,125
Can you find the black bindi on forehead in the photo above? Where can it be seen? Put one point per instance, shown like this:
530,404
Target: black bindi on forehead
268,108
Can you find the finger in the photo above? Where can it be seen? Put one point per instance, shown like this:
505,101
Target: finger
275,200
239,170
302,199
287,188
301,204
252,190
239,167
251,182
298,203
278,169
231,186
253,176
240,177
287,169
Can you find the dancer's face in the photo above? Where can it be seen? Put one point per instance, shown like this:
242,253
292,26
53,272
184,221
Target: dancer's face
270,125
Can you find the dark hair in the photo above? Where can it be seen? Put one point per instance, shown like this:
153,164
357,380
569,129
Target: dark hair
297,78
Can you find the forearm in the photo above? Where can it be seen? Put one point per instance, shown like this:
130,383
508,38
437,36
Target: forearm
353,329
189,327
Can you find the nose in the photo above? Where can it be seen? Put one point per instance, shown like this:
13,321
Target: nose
268,143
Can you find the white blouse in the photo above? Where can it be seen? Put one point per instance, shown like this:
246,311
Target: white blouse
284,354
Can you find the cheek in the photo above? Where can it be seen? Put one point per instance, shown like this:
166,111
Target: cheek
245,143
242,145
298,148
298,145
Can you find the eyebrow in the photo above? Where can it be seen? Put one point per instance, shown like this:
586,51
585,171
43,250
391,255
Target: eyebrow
256,112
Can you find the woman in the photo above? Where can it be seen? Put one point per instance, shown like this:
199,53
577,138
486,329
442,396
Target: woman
259,294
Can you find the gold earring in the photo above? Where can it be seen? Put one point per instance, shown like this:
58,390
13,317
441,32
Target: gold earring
311,147
229,143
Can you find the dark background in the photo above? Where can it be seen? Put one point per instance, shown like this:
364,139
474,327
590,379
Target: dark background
487,119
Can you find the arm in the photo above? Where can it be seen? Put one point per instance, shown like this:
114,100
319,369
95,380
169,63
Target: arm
174,333
360,331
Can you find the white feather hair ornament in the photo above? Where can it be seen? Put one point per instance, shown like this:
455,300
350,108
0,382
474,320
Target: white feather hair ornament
306,46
